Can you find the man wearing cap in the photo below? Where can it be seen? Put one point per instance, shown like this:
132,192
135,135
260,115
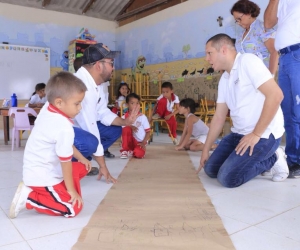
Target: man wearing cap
97,68
286,14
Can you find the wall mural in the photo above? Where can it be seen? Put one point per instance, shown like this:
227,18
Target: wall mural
174,49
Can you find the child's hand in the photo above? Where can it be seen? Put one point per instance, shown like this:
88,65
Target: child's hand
142,145
134,129
39,105
87,163
167,117
75,197
178,148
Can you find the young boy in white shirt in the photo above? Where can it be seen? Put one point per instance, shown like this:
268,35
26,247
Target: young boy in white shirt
50,179
164,108
135,137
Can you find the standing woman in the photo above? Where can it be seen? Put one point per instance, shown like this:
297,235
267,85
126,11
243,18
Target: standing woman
254,38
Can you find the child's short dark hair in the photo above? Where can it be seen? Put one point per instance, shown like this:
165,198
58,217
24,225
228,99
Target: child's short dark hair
167,85
132,95
63,85
188,103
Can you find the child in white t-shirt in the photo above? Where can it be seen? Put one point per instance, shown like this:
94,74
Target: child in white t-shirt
51,181
167,108
38,98
193,127
135,137
123,91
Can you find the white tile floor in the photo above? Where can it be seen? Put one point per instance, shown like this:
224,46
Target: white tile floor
261,214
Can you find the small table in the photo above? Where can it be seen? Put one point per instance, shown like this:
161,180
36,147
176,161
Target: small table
4,112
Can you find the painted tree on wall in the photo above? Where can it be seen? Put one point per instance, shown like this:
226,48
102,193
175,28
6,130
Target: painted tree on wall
186,49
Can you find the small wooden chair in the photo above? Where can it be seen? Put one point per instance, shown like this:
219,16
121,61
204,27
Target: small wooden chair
209,109
148,111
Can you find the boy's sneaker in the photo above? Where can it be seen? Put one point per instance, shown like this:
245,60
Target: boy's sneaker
280,170
124,155
19,200
175,142
156,116
130,153
267,173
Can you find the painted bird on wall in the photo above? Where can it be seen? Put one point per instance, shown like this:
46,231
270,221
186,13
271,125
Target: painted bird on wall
210,70
200,71
184,73
193,73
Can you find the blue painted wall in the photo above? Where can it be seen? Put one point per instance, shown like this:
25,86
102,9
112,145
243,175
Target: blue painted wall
161,37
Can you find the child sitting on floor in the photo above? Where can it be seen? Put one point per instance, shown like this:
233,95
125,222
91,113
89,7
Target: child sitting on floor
193,127
164,108
135,137
123,91
51,180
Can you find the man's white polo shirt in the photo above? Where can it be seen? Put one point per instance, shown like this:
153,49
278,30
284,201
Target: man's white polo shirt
49,144
239,90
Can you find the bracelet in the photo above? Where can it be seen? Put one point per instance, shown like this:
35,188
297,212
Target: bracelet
256,134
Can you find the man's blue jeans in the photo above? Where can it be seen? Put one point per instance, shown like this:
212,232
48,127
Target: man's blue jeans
233,170
109,134
87,143
289,82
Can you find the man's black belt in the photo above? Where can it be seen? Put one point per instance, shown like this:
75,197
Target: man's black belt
289,49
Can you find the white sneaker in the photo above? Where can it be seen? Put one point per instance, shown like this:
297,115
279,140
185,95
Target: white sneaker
19,200
130,153
267,173
124,155
280,170
175,142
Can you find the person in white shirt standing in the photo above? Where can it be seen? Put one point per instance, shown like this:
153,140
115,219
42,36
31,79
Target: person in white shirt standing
95,119
248,89
286,14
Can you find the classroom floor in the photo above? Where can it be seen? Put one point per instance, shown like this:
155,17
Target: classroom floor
261,214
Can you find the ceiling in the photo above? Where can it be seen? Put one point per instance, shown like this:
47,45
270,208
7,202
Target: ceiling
112,10
103,9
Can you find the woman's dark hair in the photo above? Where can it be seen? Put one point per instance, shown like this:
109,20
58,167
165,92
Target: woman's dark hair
246,7
39,87
188,103
120,86
132,95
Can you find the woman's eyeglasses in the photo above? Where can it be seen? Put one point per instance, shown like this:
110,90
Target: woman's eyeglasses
239,19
